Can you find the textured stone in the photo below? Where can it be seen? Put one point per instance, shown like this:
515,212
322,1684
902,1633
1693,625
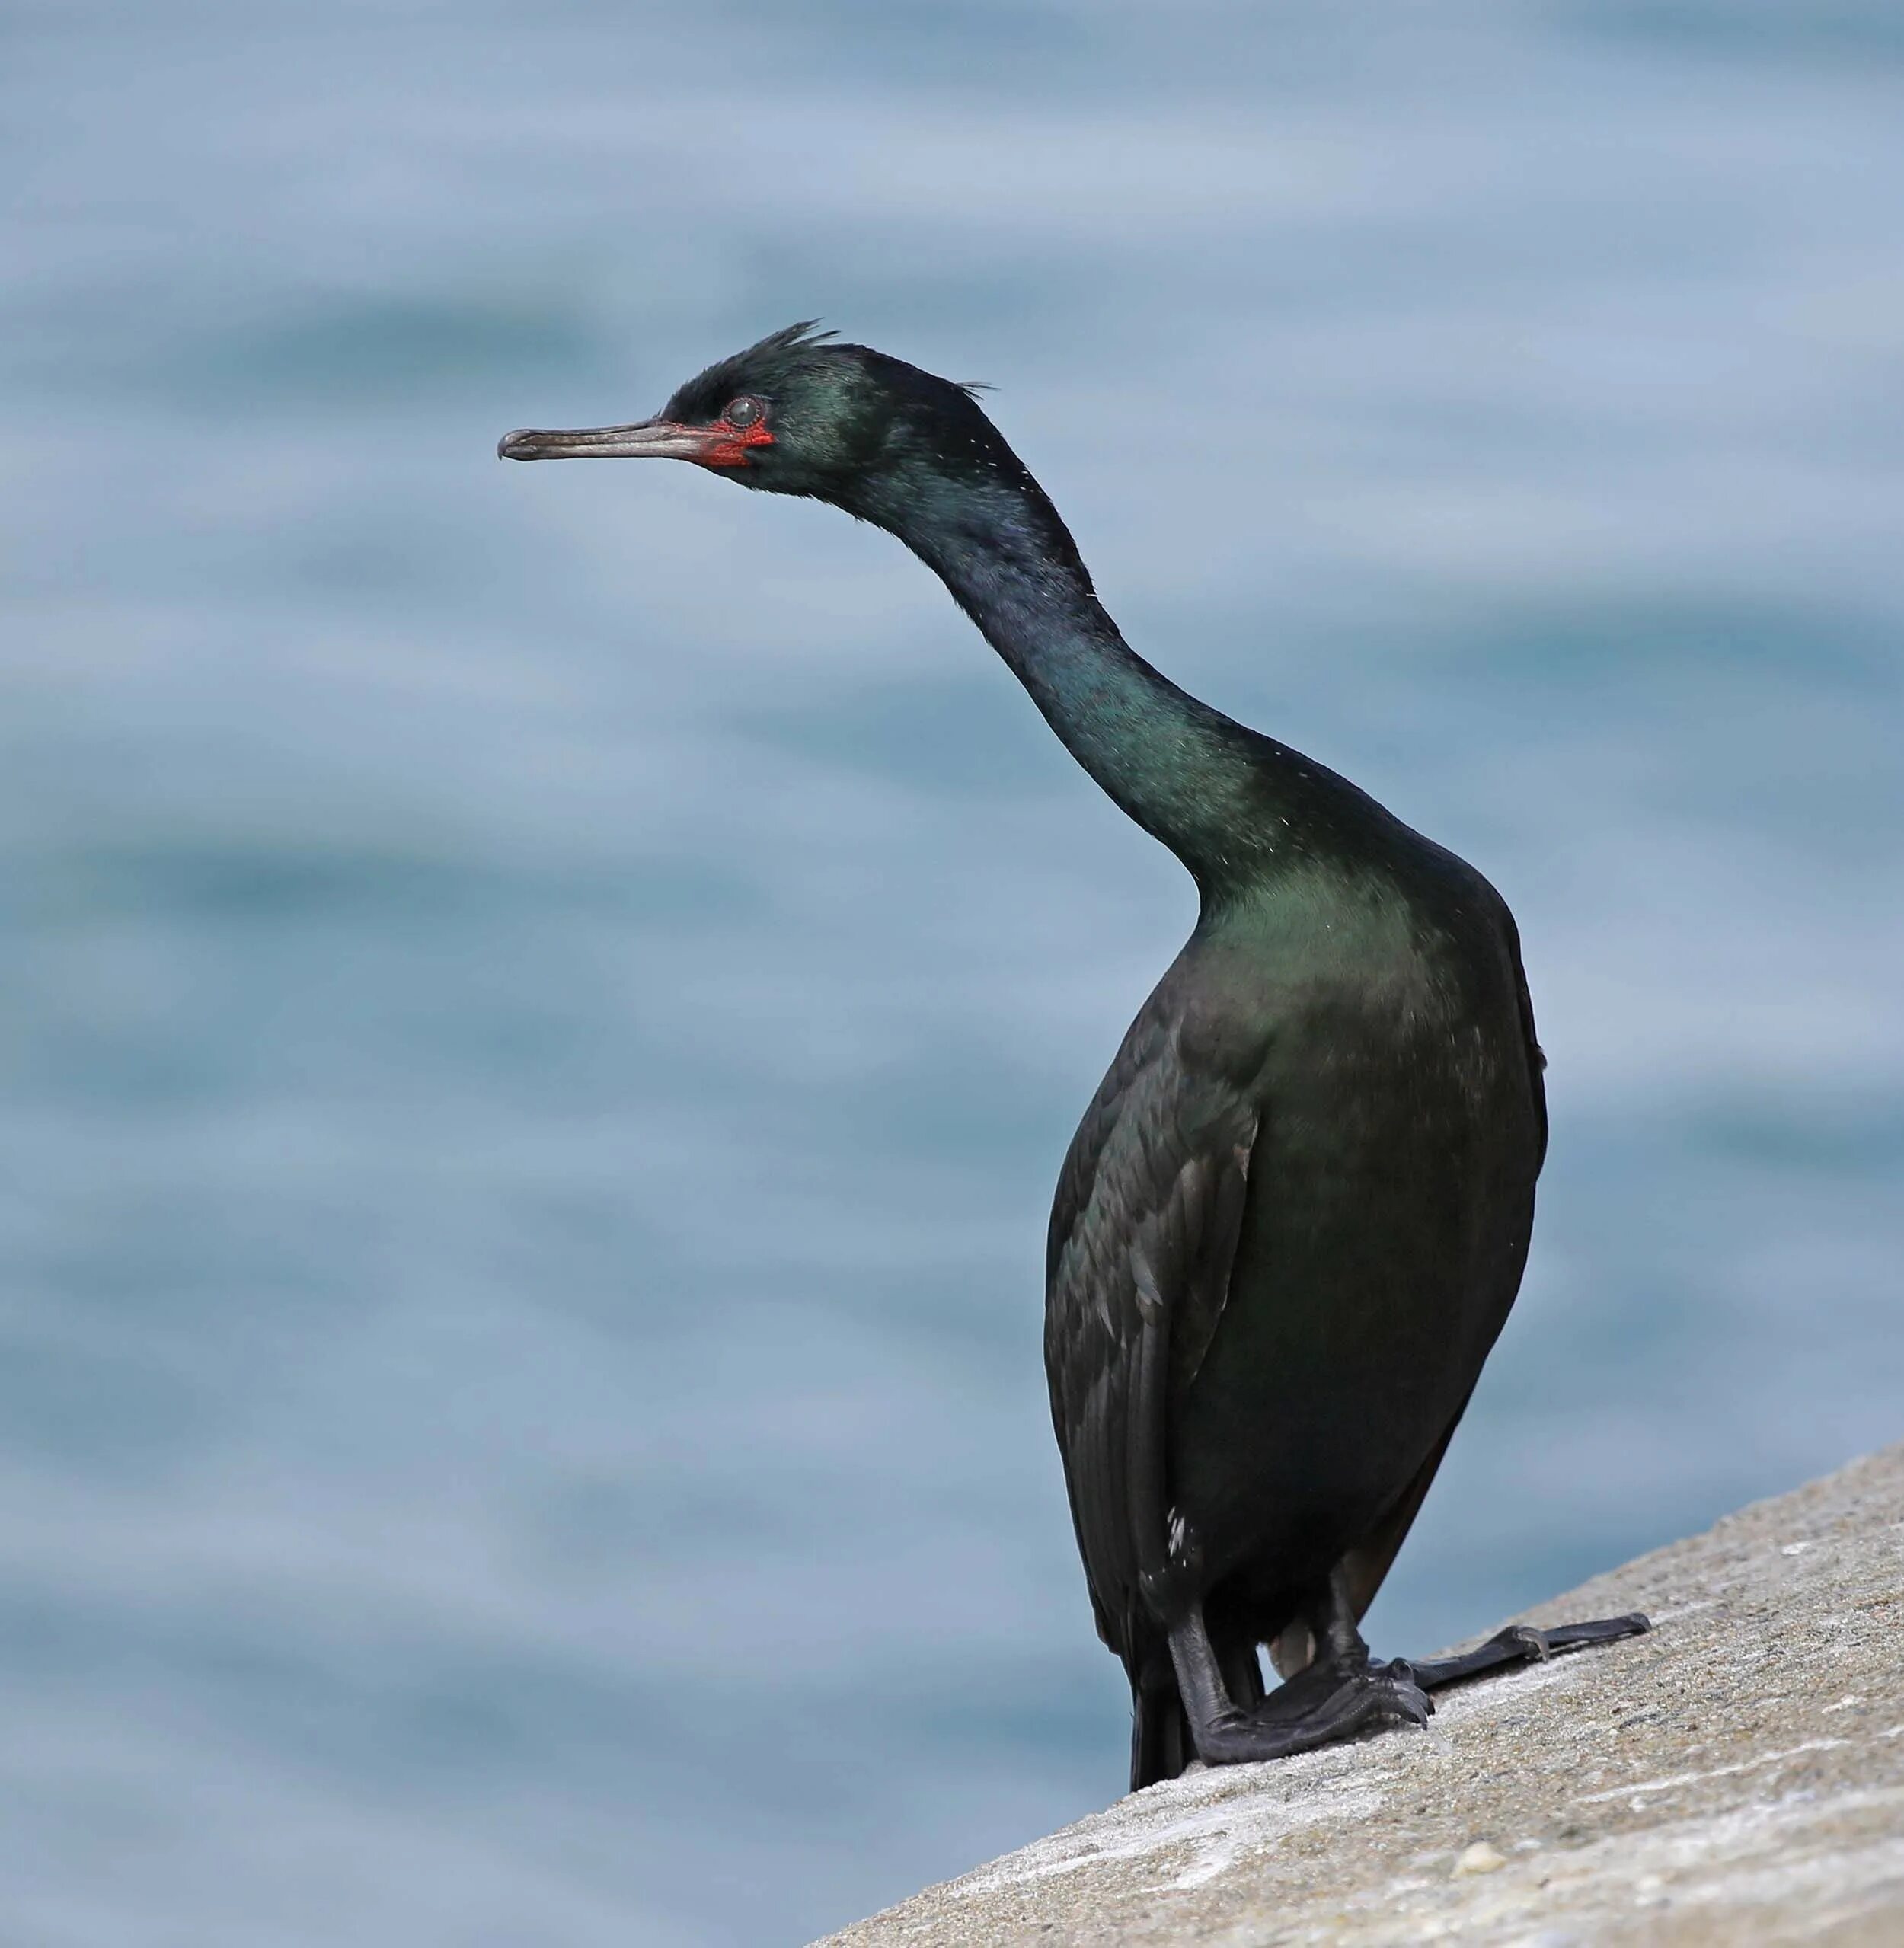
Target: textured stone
1737,1777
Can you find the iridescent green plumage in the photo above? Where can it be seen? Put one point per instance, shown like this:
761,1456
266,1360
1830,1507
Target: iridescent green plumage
1297,1211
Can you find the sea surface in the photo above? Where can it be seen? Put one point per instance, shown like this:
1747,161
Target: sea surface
543,1006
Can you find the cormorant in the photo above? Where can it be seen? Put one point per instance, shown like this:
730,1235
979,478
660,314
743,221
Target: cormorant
1296,1212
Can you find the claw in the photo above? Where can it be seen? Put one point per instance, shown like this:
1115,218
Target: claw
1402,1673
1416,1706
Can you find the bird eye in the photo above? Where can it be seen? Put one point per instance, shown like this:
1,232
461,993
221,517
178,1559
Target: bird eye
743,411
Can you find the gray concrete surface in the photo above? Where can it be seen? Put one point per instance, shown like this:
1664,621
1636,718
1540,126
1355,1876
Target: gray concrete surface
1736,1777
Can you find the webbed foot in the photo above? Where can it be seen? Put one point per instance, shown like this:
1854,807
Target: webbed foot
1343,1690
1519,1643
1313,1708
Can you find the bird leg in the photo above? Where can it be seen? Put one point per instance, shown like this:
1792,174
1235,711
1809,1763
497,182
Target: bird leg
1340,1692
1519,1643
1343,1689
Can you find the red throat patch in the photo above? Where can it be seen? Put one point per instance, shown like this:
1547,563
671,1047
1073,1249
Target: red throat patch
734,443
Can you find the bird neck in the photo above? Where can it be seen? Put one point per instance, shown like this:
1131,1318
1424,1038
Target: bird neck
1189,776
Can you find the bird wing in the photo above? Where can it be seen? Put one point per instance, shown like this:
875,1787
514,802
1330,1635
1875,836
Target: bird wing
1144,1233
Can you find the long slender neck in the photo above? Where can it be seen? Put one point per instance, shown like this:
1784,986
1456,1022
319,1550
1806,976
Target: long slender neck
1189,776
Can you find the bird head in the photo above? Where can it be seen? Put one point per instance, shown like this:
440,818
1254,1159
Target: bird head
798,414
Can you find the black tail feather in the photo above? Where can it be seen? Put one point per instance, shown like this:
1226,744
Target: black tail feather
1160,1739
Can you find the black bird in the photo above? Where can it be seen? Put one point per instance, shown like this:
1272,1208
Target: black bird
1296,1212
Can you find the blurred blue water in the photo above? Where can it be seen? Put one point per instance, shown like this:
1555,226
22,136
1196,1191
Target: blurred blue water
544,1004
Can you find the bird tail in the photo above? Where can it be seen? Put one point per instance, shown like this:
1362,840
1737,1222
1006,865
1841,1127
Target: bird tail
1160,1734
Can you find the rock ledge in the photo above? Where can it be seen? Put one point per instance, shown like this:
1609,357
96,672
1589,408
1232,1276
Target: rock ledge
1736,1777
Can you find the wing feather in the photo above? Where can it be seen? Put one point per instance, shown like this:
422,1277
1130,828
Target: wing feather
1143,1239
